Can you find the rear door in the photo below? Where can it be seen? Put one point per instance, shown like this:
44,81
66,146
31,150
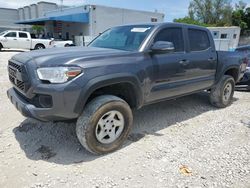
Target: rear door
202,58
24,41
10,40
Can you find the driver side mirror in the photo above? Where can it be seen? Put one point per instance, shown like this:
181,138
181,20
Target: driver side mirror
163,47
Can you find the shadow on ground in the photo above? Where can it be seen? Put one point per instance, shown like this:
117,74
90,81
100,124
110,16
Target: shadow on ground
57,142
13,50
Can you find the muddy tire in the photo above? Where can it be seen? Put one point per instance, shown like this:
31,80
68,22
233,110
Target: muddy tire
104,124
221,95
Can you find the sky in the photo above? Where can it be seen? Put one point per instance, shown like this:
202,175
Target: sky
171,8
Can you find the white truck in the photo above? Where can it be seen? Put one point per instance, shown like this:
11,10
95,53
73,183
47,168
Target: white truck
62,43
23,40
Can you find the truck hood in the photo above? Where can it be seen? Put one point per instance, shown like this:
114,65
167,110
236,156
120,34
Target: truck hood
70,55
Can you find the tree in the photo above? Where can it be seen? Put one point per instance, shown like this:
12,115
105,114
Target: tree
241,16
218,12
38,29
189,20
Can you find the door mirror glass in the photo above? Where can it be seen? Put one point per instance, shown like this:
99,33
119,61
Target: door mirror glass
163,47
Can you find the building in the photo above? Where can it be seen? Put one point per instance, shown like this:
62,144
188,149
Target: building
9,17
225,38
85,22
80,24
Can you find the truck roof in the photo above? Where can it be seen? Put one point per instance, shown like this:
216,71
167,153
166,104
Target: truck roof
16,31
159,24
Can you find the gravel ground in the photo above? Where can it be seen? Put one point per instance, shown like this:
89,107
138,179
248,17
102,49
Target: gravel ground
179,143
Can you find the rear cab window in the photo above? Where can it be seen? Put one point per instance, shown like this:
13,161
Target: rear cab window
243,49
198,40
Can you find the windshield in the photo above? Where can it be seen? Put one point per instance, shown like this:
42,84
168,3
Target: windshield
127,38
2,33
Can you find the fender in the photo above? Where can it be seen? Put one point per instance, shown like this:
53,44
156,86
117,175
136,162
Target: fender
102,81
224,70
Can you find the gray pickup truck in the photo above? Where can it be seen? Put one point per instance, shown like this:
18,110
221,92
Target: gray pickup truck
125,67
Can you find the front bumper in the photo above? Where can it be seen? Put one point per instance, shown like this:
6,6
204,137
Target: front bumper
58,112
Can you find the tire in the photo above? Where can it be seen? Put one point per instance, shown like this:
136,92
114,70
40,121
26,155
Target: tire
1,47
66,45
96,121
222,94
39,47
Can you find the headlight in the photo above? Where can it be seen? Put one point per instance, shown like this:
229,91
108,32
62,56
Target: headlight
58,74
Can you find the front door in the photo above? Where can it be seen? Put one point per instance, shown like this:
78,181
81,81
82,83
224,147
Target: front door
171,68
10,40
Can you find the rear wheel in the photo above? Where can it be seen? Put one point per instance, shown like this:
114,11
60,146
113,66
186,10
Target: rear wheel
1,46
222,94
39,47
104,124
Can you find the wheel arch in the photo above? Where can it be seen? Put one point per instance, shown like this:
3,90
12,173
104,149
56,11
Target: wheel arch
125,86
232,71
40,44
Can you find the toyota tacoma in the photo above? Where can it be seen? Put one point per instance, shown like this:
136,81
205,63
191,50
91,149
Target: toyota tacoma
124,68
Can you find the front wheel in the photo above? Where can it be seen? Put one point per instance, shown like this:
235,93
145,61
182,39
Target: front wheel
104,124
221,95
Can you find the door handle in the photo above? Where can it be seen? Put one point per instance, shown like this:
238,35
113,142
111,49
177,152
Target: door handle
184,62
27,40
14,39
211,59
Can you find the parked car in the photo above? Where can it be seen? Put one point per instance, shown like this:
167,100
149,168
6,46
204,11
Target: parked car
22,40
125,67
63,43
245,81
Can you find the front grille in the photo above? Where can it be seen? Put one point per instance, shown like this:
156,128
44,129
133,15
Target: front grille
16,72
16,66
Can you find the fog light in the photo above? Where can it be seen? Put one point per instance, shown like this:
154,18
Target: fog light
45,101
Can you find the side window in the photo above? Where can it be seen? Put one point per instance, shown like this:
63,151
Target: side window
223,36
199,40
173,35
23,35
11,34
215,34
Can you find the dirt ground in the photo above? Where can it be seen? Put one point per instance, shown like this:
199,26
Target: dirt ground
179,143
